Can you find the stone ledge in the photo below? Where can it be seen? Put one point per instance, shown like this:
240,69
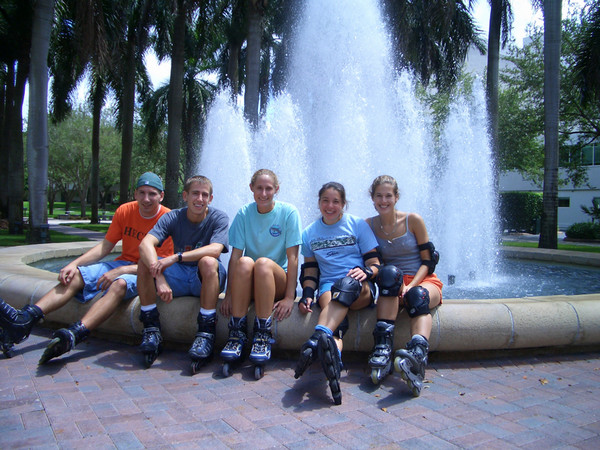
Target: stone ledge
458,325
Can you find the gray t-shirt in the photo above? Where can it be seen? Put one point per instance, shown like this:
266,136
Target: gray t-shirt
188,235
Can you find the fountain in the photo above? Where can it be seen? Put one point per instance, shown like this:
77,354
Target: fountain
347,115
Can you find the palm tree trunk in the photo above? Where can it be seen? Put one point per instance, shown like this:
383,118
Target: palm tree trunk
127,109
98,101
37,130
251,95
16,175
552,38
175,108
493,67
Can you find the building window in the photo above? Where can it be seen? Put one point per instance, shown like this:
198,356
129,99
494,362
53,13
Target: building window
564,202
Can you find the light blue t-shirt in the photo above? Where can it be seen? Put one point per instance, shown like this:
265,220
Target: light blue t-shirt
338,247
266,235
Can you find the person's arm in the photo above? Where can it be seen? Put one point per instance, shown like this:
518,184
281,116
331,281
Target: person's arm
370,269
236,254
417,227
283,308
95,254
309,285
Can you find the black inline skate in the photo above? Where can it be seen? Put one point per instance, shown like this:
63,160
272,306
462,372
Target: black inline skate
329,355
202,350
64,340
261,346
232,352
16,324
411,363
151,345
380,359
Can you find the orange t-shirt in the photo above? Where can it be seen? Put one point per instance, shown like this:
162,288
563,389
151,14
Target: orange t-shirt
129,226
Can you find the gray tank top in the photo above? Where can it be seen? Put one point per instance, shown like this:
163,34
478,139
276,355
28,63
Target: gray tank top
402,251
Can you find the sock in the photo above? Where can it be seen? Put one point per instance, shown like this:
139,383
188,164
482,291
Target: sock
325,329
207,312
148,307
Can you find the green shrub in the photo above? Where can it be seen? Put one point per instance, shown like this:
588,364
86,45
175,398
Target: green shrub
583,230
520,210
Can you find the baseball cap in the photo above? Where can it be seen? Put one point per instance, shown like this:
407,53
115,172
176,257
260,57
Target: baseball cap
150,179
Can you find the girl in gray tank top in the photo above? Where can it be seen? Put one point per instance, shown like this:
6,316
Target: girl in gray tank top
406,281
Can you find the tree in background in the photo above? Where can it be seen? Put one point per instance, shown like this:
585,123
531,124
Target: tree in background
37,132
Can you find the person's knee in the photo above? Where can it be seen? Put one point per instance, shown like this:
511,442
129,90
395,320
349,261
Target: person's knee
245,267
208,267
118,288
263,267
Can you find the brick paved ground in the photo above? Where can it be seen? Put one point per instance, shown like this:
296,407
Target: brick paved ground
99,397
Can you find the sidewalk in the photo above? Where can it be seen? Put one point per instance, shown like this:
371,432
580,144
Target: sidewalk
56,225
99,396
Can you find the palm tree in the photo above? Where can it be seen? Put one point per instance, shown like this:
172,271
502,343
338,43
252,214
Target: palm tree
499,31
137,15
37,130
15,42
587,64
255,11
552,41
83,43
432,37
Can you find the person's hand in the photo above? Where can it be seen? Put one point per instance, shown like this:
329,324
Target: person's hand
357,273
225,307
163,290
67,273
304,305
158,266
107,278
283,308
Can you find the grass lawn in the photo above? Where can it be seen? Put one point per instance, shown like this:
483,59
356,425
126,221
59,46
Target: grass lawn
573,247
75,209
102,227
10,240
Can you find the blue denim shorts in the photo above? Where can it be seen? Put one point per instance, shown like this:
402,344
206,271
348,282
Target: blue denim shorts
184,279
92,273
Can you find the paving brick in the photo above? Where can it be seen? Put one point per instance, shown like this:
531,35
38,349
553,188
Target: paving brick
99,397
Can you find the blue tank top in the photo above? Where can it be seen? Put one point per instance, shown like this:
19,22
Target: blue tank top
401,251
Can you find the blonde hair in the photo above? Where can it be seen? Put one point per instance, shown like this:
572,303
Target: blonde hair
266,172
384,179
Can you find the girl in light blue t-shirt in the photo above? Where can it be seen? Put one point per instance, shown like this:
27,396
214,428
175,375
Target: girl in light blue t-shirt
341,262
265,237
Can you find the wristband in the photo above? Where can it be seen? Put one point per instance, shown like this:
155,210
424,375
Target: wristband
179,257
308,292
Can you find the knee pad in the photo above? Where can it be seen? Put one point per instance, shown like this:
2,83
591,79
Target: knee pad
417,301
389,279
346,291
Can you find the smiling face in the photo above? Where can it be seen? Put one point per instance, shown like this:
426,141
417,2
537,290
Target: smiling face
148,199
385,198
264,189
198,197
331,205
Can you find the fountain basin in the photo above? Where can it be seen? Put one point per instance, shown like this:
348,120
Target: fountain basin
458,325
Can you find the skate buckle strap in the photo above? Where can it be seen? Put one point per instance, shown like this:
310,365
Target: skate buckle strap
152,330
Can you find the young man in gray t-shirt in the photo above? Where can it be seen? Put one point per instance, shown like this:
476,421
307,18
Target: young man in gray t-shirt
200,235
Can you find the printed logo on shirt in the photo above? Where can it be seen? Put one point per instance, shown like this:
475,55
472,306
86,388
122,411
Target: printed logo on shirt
275,231
338,241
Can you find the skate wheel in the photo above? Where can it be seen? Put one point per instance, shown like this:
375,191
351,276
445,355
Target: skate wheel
226,370
259,371
7,353
195,367
398,364
376,376
149,360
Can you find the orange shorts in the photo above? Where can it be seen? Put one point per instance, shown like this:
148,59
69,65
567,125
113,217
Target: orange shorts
431,279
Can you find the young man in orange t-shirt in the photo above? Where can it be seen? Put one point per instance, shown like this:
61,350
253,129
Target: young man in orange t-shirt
88,276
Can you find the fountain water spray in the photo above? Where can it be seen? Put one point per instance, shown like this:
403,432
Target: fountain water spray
347,115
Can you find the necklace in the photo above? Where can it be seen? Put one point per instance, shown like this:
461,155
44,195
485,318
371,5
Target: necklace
393,228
